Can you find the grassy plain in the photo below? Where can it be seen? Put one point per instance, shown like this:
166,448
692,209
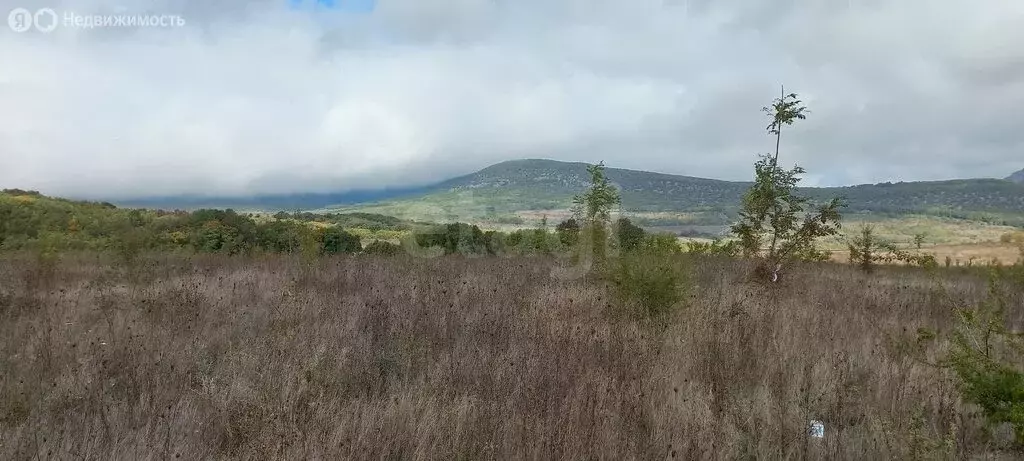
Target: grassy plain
471,358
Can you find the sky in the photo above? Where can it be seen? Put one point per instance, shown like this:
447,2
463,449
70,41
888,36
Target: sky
261,97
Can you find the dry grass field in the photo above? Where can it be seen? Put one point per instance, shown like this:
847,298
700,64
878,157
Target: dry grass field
462,358
982,254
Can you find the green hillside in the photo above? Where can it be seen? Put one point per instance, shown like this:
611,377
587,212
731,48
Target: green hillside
30,220
507,191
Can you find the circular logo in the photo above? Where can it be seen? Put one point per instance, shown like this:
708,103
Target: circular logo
40,18
20,20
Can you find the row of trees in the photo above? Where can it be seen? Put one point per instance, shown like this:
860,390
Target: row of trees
30,220
467,239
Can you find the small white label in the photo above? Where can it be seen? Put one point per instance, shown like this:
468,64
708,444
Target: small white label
817,429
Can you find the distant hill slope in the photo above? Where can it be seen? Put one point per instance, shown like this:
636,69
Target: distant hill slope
553,183
286,202
28,218
1017,177
519,185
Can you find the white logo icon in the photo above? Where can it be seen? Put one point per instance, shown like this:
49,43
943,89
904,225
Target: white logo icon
42,23
20,20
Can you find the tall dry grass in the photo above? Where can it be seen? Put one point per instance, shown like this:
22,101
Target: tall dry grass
449,358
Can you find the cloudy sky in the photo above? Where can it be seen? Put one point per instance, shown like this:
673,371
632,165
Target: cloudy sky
254,97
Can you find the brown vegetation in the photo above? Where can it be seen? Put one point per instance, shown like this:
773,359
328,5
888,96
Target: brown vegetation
978,254
462,358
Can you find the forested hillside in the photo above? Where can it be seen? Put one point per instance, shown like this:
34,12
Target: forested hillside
509,187
29,219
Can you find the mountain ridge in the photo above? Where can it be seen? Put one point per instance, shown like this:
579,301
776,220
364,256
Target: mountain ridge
515,186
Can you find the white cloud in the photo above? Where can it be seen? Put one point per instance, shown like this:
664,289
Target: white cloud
253,98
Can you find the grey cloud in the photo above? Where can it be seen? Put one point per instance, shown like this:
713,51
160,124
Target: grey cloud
250,97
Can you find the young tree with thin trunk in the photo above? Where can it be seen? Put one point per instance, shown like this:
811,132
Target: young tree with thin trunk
783,111
593,209
776,223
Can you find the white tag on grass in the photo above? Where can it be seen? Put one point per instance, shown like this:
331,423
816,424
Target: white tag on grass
817,429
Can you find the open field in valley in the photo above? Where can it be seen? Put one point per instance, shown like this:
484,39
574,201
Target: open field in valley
359,357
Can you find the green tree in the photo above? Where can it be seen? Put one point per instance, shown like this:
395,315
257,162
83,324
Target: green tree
336,240
568,232
457,238
213,236
280,236
867,250
783,111
382,248
661,243
919,240
985,354
864,249
593,208
776,223
630,235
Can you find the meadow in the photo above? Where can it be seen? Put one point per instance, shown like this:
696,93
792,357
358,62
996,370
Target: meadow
362,357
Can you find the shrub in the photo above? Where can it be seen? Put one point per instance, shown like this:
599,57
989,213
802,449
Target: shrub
715,247
866,250
382,248
629,235
130,245
649,284
213,236
985,356
457,238
336,240
661,243
568,232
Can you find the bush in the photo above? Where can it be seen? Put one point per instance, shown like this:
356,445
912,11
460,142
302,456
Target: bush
715,247
866,251
985,356
629,235
336,240
662,243
525,242
649,284
457,238
568,232
382,248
